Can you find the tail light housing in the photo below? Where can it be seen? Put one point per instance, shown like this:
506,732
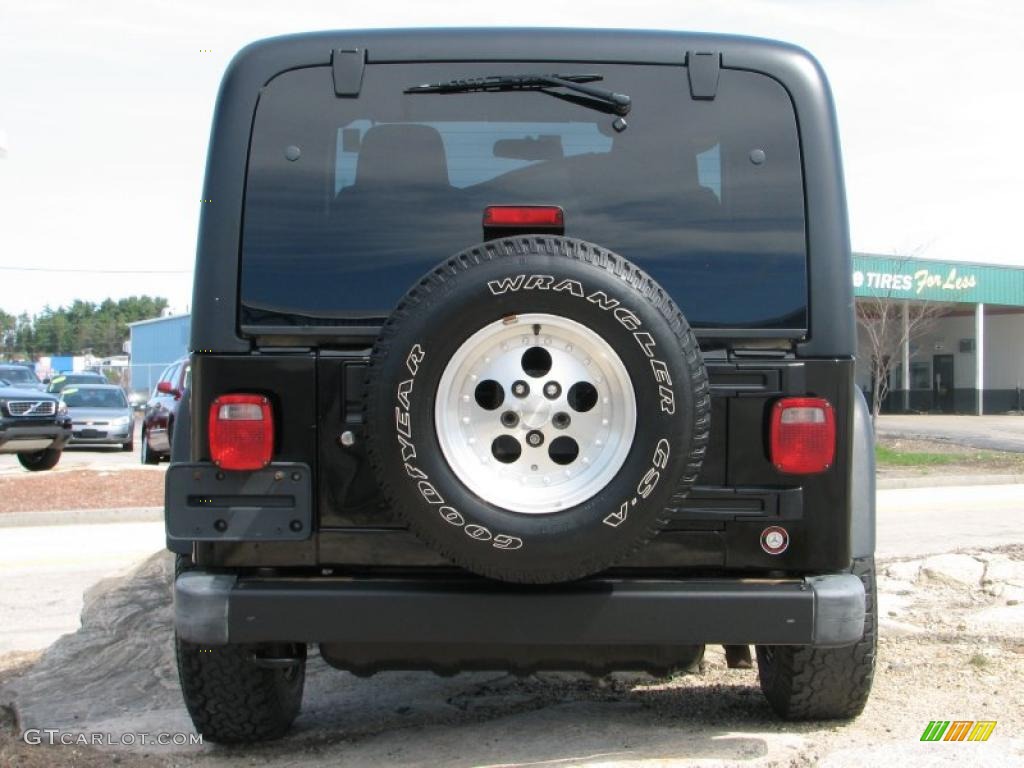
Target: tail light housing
803,435
241,430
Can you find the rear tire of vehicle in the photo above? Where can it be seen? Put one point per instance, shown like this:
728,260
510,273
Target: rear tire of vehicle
585,385
40,461
146,456
129,446
806,683
231,699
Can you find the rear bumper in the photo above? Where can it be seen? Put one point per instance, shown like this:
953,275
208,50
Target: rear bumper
29,438
215,609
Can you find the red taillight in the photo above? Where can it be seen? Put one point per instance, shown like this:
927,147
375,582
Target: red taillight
241,432
803,435
518,216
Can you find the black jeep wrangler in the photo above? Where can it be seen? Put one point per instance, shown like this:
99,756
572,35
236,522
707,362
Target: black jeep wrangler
521,350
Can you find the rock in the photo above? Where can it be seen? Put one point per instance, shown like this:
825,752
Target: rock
1005,570
995,590
954,570
122,657
1012,594
905,571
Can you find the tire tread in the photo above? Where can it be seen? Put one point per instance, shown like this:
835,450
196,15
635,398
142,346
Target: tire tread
807,683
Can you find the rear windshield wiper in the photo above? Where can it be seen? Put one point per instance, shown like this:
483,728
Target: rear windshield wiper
618,102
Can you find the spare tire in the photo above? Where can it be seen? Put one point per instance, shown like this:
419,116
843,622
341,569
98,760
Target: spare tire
533,404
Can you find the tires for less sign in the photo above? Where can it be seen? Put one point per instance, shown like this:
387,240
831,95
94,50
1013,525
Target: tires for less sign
925,280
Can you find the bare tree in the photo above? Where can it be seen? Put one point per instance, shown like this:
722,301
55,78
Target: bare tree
881,318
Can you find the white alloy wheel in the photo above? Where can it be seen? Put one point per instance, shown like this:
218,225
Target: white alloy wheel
535,413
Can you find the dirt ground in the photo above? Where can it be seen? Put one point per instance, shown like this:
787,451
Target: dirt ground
952,647
81,489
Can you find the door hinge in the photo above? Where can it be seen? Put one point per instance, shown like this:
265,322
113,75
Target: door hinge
348,66
704,69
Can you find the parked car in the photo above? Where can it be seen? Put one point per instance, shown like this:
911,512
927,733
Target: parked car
34,425
501,369
161,410
100,414
57,383
21,376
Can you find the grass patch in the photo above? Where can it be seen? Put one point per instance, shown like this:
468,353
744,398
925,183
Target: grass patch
922,455
888,457
979,661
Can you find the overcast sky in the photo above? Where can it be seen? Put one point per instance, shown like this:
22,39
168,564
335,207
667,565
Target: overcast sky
105,109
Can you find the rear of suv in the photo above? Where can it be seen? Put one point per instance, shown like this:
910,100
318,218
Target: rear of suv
521,350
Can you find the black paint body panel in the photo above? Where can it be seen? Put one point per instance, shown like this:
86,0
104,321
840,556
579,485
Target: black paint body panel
716,527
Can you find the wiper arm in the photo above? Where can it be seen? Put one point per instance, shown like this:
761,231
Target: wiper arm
619,102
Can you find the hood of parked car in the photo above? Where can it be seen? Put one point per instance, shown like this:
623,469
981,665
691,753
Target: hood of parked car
20,392
98,414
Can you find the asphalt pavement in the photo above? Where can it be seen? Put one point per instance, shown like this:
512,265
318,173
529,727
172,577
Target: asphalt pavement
100,457
994,433
921,521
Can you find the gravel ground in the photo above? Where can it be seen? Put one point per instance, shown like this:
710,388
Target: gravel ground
951,648
82,489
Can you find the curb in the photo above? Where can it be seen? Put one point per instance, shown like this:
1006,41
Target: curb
937,481
82,517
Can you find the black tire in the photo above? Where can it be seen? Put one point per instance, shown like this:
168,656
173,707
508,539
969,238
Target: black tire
40,461
805,683
129,446
146,455
463,295
231,699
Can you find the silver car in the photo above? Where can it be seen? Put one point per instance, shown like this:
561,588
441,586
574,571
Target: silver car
100,414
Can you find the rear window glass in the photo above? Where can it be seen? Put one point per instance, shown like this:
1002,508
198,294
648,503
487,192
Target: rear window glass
350,200
58,383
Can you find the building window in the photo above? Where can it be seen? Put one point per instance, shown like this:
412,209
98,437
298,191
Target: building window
920,376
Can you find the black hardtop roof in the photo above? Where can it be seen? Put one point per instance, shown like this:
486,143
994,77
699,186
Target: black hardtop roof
517,43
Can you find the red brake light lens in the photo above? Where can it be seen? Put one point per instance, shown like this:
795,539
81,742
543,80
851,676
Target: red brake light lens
513,216
803,435
241,432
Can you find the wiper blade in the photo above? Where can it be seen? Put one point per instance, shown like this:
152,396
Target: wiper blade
619,102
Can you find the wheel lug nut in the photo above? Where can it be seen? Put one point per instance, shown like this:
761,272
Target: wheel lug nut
561,420
509,418
534,438
552,390
520,389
